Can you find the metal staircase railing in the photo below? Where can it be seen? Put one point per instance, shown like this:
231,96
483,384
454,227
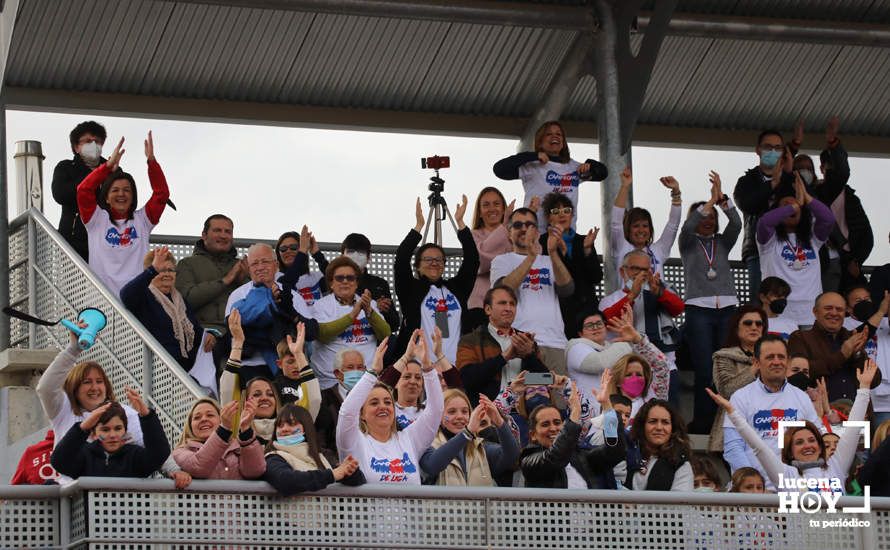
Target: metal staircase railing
47,278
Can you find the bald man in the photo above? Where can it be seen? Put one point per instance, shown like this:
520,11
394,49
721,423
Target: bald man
834,352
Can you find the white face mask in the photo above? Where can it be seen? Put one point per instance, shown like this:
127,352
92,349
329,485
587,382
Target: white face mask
90,152
807,176
360,258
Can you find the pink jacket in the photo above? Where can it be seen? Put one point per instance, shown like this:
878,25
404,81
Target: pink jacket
216,459
489,244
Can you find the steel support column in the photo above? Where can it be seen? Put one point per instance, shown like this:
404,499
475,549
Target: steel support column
4,229
575,65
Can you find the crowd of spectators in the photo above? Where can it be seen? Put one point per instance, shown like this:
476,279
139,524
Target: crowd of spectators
514,371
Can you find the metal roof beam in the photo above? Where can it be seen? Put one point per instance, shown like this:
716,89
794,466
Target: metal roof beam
483,12
774,30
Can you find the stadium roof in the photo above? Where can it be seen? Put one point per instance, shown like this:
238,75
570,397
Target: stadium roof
726,69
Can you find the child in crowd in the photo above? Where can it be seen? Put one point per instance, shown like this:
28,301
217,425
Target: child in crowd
746,480
705,476
109,455
296,382
294,463
773,296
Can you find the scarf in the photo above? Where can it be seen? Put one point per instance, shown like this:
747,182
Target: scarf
297,456
174,307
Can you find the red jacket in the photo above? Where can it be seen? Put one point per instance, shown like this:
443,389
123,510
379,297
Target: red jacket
34,467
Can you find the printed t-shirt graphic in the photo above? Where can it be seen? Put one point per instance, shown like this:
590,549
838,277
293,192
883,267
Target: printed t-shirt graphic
539,179
441,300
393,470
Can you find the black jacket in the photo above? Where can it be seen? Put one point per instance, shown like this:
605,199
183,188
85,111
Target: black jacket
75,458
66,177
288,481
586,272
508,168
139,299
546,468
412,291
875,473
754,196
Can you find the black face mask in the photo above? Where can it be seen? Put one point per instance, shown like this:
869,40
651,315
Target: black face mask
801,381
863,310
778,306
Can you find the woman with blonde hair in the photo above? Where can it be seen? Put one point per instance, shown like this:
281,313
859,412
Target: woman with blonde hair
207,450
366,428
633,377
458,456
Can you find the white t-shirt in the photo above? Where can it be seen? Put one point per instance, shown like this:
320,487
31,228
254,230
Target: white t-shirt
880,396
763,410
117,249
553,177
308,293
358,336
405,416
537,309
800,267
782,326
574,480
659,251
441,299
514,366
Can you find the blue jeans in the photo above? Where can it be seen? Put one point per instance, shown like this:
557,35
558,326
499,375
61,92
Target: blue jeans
754,277
706,330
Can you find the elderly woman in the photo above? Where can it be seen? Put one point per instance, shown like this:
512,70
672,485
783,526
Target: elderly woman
732,363
490,217
345,320
367,425
549,168
429,301
577,252
153,298
117,232
207,449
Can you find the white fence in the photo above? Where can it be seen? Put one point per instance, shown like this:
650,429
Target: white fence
115,513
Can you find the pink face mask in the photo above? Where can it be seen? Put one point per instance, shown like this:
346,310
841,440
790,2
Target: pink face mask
633,386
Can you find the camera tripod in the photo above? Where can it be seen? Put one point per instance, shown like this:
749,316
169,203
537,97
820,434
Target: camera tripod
438,210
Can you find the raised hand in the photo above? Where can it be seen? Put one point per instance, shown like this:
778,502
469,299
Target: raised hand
602,394
114,159
149,147
92,419
670,182
305,239
419,221
716,186
136,401
522,344
866,374
346,468
247,414
637,287
625,330
508,211
721,401
366,302
477,419
437,343
854,343
491,410
235,328
575,404
411,348
626,177
532,241
296,345
459,212
535,204
227,415
655,286
377,363
554,240
161,256
831,129
590,239
517,385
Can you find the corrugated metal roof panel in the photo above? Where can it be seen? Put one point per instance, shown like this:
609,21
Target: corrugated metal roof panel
678,60
236,53
582,105
88,45
872,11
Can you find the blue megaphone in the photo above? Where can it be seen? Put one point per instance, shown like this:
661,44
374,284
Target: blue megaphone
95,321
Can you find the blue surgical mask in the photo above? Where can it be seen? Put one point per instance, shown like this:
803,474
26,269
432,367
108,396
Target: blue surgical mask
770,158
351,378
293,439
535,401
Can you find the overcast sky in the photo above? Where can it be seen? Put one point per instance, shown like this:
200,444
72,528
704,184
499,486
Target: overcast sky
273,179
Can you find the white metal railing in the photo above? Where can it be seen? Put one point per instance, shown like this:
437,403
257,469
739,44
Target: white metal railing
48,279
103,512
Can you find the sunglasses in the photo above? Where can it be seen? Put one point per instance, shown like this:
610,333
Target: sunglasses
285,247
345,278
563,210
519,225
749,322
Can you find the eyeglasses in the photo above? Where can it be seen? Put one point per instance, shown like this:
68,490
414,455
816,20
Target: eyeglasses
261,263
635,268
593,326
519,225
563,210
766,147
285,247
433,260
167,270
749,322
345,278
